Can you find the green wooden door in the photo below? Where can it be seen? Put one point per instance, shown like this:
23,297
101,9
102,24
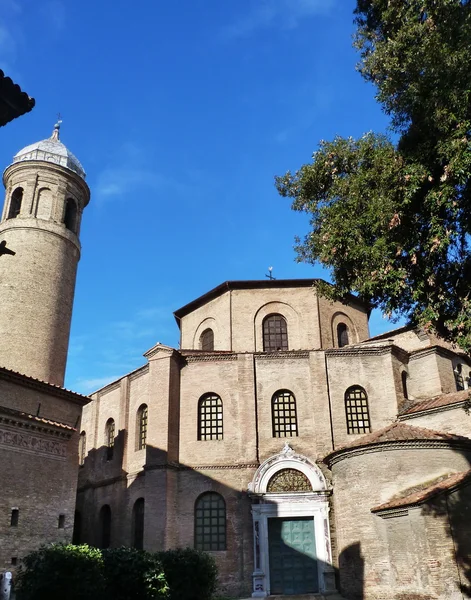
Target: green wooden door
292,555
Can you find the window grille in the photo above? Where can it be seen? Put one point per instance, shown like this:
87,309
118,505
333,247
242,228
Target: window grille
356,408
141,433
275,333
109,438
284,417
210,423
210,522
207,340
342,335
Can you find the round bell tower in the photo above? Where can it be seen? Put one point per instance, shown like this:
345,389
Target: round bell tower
39,251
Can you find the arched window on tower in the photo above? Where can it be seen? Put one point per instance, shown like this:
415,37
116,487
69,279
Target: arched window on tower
70,216
141,427
138,524
105,526
284,418
356,409
15,203
210,522
210,423
342,335
207,340
275,333
109,438
82,447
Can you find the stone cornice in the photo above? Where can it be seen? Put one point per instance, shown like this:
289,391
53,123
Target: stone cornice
360,351
23,423
283,354
430,411
209,357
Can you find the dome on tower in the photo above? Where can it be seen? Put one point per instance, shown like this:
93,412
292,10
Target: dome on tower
51,150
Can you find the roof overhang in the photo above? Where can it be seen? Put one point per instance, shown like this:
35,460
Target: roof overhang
13,101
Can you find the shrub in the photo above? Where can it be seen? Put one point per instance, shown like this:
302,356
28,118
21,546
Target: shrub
133,575
190,574
61,571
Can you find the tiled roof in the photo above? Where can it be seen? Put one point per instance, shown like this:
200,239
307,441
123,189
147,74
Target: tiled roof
13,101
44,386
435,402
397,432
19,414
421,493
391,333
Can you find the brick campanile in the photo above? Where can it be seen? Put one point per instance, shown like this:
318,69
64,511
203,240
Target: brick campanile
44,201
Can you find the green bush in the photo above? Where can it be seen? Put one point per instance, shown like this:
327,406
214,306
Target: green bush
133,575
190,574
61,571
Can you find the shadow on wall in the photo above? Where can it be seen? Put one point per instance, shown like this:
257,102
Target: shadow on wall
161,507
352,567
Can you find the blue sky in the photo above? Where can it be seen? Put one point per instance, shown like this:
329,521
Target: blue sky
182,112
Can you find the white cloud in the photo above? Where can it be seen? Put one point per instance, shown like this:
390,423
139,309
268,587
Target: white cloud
283,14
87,386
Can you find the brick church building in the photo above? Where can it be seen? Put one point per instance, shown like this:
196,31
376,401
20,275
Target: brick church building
304,455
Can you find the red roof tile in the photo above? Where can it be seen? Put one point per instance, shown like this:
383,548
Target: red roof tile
436,402
421,493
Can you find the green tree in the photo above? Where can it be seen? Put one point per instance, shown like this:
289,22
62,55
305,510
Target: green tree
393,220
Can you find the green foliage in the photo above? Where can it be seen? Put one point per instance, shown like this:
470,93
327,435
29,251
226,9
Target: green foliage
133,575
393,221
191,575
61,571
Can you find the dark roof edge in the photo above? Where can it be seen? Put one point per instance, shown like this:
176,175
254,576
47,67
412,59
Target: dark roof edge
254,284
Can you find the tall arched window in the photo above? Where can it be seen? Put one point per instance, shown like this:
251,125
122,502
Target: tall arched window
82,447
109,438
342,335
70,216
138,524
210,522
284,418
207,340
141,427
404,378
15,203
105,526
458,371
210,423
77,531
275,333
356,409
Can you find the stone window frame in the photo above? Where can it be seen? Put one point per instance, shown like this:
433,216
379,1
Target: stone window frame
210,417
82,448
210,522
343,337
284,414
110,431
275,333
207,340
142,420
357,398
16,199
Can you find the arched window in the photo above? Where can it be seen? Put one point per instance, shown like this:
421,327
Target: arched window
284,419
404,378
70,216
105,526
15,203
356,409
138,524
77,532
210,522
207,340
342,335
275,333
109,438
82,447
210,424
458,371
141,427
